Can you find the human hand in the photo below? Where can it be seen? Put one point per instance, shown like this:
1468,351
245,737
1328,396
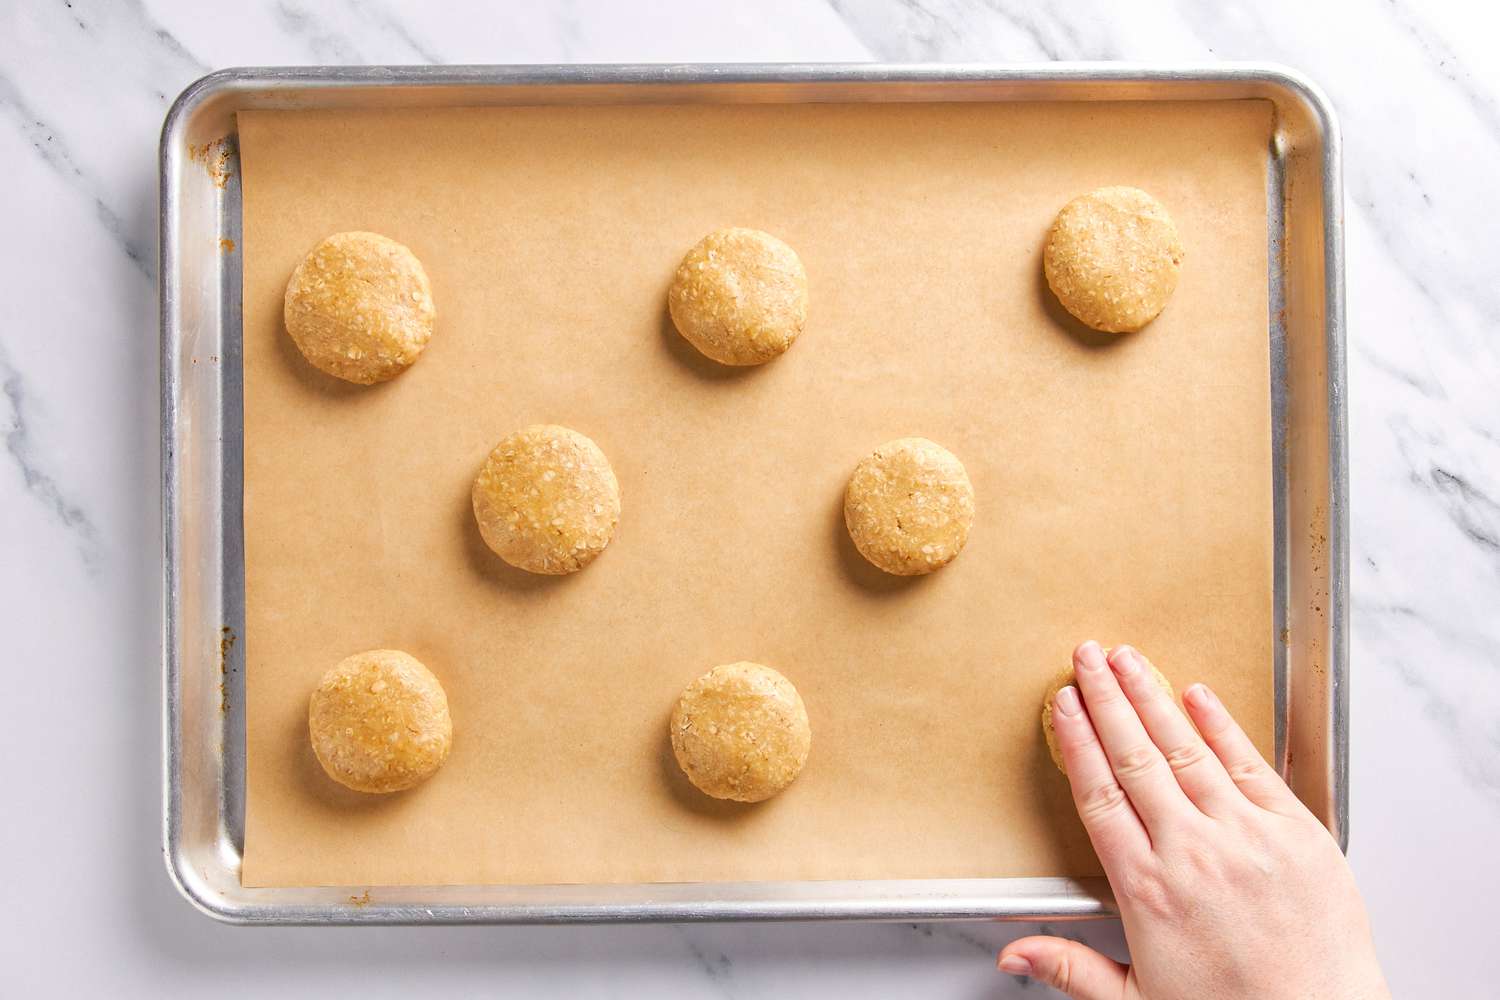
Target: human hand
1227,886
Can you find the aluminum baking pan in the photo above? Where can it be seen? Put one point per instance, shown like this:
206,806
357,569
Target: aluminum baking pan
203,578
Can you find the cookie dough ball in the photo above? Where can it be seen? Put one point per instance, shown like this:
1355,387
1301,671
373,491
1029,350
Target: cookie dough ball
1061,681
909,507
547,500
359,307
740,732
1112,258
739,296
379,722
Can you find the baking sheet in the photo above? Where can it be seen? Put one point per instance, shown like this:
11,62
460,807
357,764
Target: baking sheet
1123,485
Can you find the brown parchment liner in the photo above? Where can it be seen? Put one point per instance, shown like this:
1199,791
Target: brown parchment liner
1123,483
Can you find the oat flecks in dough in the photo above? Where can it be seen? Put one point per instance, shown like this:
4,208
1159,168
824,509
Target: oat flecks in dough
1112,258
1061,681
740,732
359,307
379,722
909,507
739,296
547,500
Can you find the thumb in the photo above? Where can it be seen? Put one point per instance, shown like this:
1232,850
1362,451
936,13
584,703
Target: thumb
1078,970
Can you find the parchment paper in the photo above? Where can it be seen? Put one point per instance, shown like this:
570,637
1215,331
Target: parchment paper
1123,484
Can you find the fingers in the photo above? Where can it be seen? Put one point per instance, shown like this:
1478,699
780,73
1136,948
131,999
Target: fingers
1078,970
1198,771
1138,765
1113,827
1243,763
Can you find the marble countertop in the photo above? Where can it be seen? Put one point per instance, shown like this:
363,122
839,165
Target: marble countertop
83,88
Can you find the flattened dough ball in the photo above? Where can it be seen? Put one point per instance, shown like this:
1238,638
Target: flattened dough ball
740,732
1061,681
359,307
909,506
379,722
739,296
547,500
1112,258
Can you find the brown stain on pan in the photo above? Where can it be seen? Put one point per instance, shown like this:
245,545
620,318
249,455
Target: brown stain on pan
214,156
226,643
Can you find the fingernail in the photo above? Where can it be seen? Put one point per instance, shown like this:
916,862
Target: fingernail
1067,701
1090,656
1199,696
1015,965
1124,660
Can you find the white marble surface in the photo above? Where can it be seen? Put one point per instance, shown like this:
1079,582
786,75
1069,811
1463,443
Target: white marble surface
85,906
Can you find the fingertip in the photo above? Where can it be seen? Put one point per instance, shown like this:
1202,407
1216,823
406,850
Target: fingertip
1205,710
1199,697
1020,952
1067,701
1125,660
1068,966
1088,656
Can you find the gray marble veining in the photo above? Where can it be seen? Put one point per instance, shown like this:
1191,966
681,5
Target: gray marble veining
52,148
38,482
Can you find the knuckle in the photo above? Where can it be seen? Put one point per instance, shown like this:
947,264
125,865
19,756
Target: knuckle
1259,865
1079,737
1062,973
1109,698
1187,756
1137,761
1200,863
1248,866
1102,801
1219,734
1144,889
1248,770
